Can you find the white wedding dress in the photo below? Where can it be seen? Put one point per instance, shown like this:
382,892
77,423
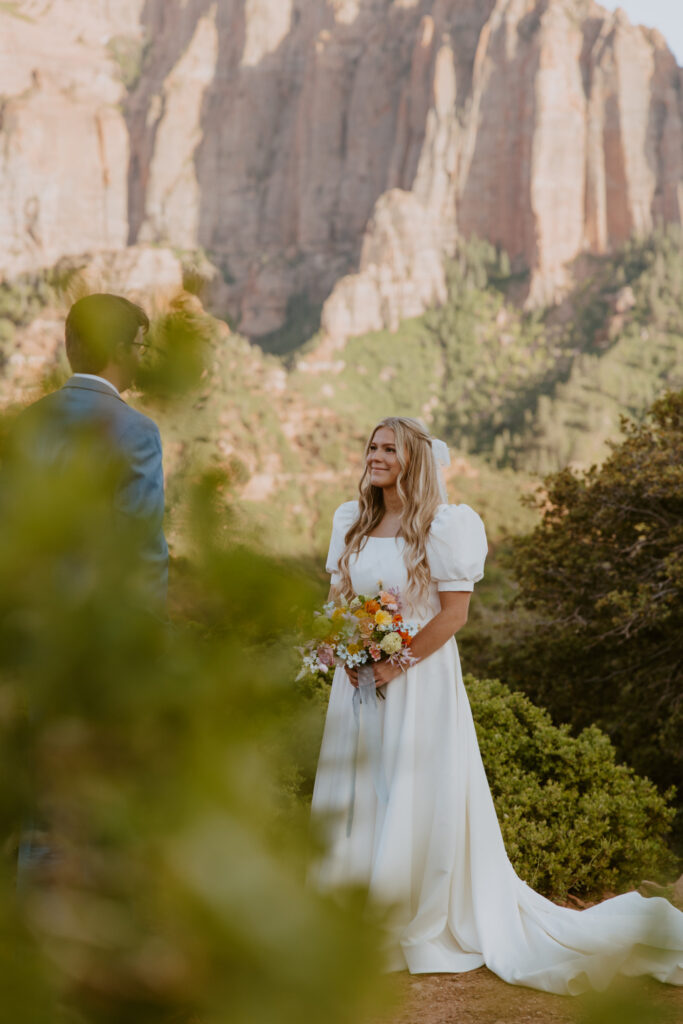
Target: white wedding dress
434,852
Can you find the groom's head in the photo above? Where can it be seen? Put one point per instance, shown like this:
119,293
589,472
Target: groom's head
103,337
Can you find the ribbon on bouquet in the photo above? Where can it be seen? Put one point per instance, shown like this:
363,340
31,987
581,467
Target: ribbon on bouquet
366,694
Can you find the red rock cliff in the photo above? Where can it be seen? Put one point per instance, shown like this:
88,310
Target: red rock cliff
334,147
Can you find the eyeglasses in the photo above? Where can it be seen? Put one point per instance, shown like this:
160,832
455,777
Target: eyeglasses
145,344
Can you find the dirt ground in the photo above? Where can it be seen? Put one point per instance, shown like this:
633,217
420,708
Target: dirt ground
479,997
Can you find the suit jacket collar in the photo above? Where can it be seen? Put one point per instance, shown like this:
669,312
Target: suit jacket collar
86,384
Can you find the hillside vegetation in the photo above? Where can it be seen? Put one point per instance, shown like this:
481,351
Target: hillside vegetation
289,452
516,393
527,390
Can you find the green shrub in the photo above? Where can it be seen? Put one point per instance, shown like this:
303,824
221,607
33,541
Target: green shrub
7,332
128,52
12,7
572,819
600,597
25,297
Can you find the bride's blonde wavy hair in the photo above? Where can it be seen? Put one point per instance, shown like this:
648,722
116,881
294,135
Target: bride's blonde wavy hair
418,487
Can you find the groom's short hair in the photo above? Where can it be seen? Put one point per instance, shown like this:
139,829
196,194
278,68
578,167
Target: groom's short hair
97,327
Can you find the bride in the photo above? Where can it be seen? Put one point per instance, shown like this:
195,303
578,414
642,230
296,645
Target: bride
429,846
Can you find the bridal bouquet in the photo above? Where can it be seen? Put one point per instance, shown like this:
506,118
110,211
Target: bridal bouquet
359,632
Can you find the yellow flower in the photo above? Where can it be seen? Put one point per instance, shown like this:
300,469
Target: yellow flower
337,614
391,643
355,648
383,618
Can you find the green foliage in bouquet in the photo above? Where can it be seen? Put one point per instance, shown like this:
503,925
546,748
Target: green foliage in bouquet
600,625
572,819
154,758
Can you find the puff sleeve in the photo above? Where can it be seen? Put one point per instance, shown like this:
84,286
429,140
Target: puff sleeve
456,548
345,515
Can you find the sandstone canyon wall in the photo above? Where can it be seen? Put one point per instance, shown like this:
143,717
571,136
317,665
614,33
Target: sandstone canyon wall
334,148
64,146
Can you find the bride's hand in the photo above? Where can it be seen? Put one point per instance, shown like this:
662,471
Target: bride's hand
385,672
352,673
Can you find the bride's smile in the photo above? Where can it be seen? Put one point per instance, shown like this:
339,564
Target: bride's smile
382,460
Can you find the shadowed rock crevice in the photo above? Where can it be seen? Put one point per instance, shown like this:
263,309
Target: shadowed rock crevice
497,170
168,26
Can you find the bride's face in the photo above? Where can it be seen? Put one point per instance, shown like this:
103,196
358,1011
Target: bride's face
382,460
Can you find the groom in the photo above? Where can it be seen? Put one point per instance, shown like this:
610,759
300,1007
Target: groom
104,337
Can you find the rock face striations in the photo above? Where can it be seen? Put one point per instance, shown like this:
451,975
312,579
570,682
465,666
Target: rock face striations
334,148
64,147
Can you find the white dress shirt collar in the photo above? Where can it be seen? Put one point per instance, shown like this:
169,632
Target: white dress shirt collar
102,380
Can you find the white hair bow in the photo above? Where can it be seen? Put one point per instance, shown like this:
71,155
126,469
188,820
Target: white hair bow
442,457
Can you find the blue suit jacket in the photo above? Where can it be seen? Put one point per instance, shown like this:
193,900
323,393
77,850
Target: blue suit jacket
83,403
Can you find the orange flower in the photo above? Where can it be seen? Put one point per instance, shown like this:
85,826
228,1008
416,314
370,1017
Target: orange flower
397,620
372,607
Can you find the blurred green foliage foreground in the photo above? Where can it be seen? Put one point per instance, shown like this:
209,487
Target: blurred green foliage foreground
165,765
154,757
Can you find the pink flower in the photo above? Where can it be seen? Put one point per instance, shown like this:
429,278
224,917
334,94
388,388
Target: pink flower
326,655
375,652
